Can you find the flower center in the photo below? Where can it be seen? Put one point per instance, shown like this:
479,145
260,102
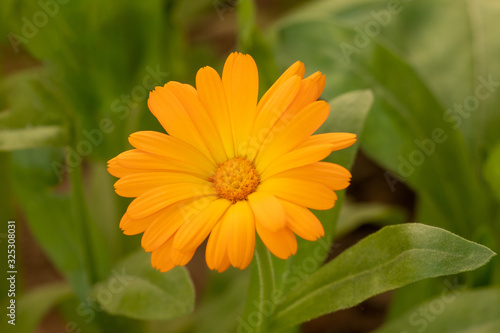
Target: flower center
235,179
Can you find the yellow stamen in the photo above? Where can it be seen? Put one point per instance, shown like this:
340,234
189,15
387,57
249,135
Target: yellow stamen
235,179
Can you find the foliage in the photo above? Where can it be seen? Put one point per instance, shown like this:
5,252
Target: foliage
417,81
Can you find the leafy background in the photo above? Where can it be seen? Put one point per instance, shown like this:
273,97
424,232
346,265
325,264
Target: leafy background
413,72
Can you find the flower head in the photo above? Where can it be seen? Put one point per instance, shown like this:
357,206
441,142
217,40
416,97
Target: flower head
230,167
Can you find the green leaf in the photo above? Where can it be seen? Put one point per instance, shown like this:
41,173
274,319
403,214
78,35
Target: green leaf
391,258
49,213
33,306
492,170
136,290
31,137
454,311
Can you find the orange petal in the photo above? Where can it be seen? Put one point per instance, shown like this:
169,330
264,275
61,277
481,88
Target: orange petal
269,117
169,220
165,195
240,226
296,158
338,140
310,90
134,226
224,265
188,97
165,106
296,69
140,161
301,192
335,176
241,84
170,147
267,209
216,251
136,184
195,229
116,169
288,134
302,222
281,243
181,258
213,97
161,258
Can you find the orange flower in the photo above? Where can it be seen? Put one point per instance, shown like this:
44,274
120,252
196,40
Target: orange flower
230,166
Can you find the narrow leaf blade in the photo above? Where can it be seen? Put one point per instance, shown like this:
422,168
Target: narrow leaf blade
32,137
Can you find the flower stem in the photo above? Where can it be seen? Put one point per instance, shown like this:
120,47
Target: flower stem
259,306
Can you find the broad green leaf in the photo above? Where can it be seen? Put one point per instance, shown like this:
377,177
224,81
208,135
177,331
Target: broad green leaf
388,259
30,137
33,306
406,297
134,289
454,311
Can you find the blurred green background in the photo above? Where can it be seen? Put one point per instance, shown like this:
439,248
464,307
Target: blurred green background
74,82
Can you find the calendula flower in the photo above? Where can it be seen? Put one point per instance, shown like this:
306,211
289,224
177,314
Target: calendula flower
230,167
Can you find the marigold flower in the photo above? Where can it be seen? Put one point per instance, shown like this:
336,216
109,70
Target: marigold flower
230,166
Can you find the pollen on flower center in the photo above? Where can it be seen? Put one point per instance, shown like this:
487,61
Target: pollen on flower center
235,179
